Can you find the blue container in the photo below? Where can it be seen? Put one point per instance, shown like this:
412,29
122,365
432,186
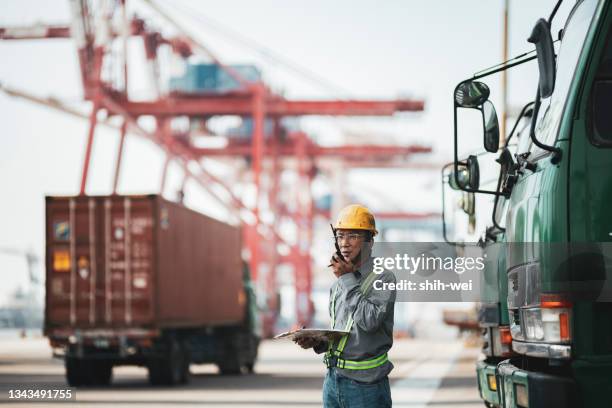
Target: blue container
211,78
204,77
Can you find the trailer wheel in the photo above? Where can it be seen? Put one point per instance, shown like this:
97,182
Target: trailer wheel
156,375
231,366
230,357
78,372
251,354
102,372
169,369
73,372
185,376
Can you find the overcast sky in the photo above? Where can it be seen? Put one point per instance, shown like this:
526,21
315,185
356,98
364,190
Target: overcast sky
370,49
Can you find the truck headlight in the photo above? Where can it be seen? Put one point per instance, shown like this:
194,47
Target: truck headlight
536,316
532,321
550,323
515,324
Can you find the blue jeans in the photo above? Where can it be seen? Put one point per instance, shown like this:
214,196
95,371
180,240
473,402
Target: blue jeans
342,392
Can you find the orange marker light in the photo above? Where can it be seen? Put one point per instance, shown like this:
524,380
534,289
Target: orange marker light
504,335
553,301
564,329
492,382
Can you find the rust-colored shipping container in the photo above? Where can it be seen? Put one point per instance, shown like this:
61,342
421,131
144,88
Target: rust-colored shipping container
142,260
128,269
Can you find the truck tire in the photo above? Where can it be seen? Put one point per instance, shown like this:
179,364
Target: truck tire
169,369
230,363
156,374
230,366
78,372
185,375
73,372
101,372
251,354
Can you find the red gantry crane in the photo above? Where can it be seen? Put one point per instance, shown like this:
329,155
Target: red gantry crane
97,28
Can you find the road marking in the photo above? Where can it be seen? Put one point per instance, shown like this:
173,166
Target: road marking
423,380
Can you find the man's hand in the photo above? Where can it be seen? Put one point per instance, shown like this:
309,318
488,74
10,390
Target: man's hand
306,342
340,267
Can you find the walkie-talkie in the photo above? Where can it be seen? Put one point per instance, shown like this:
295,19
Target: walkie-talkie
336,244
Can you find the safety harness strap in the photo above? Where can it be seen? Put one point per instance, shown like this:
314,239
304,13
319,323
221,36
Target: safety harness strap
332,357
336,361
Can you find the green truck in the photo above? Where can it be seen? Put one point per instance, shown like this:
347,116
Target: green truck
493,318
492,311
553,193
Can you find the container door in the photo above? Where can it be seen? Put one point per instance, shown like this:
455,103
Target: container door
125,284
72,260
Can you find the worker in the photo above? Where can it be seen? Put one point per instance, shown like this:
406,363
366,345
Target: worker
357,364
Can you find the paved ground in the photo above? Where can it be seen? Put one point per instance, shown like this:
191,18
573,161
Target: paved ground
427,374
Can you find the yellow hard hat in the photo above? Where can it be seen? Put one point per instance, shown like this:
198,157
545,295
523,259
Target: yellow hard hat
357,217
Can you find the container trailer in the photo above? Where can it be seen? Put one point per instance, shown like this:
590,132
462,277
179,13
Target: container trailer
139,280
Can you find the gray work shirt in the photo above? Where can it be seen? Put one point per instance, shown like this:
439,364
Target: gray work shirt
372,331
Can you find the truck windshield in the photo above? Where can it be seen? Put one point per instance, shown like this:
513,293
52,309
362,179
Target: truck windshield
574,34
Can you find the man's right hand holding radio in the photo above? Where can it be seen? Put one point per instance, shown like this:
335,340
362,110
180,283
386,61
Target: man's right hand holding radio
340,266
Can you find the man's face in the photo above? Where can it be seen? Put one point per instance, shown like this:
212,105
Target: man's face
351,242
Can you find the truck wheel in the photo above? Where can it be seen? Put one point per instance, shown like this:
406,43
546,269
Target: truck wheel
102,372
73,372
185,376
230,366
251,358
156,374
169,369
78,372
230,357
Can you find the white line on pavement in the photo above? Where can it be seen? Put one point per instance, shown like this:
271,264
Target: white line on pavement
422,382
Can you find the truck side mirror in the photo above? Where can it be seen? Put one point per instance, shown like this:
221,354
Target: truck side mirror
467,175
491,127
471,94
460,179
474,172
542,39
